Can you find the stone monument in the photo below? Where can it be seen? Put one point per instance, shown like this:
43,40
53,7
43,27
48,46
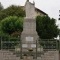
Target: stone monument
29,35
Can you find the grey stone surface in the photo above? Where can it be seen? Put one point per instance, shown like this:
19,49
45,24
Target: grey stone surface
7,55
50,55
29,28
30,10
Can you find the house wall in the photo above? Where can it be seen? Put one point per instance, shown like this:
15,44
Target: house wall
36,12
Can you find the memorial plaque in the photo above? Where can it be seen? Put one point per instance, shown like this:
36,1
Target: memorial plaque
38,49
33,45
24,45
29,38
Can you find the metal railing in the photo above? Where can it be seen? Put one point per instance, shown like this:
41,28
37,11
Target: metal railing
49,43
12,43
9,42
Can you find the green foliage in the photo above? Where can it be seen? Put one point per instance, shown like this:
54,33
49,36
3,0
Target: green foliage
2,15
9,42
49,43
46,27
15,11
10,45
12,11
12,24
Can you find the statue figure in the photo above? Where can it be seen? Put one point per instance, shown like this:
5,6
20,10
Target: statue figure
30,9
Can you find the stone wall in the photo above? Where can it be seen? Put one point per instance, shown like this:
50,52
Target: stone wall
50,55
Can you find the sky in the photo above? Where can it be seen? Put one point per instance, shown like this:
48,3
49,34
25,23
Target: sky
51,7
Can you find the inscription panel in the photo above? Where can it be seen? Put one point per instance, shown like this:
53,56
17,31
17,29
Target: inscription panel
29,38
33,45
24,45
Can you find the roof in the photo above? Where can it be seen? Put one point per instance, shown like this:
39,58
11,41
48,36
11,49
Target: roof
40,11
37,10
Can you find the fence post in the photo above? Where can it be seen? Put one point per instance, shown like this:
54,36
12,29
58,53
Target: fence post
56,45
1,42
36,49
59,40
21,47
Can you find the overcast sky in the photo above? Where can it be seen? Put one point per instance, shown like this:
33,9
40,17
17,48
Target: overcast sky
51,7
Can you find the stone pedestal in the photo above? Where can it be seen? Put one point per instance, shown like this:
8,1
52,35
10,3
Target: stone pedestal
29,34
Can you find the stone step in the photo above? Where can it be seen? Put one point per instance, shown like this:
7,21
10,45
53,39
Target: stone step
7,55
50,55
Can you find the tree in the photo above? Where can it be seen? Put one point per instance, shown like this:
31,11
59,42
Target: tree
15,11
12,11
12,24
46,27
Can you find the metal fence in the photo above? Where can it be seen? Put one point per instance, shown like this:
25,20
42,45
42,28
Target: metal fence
9,42
50,43
12,42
